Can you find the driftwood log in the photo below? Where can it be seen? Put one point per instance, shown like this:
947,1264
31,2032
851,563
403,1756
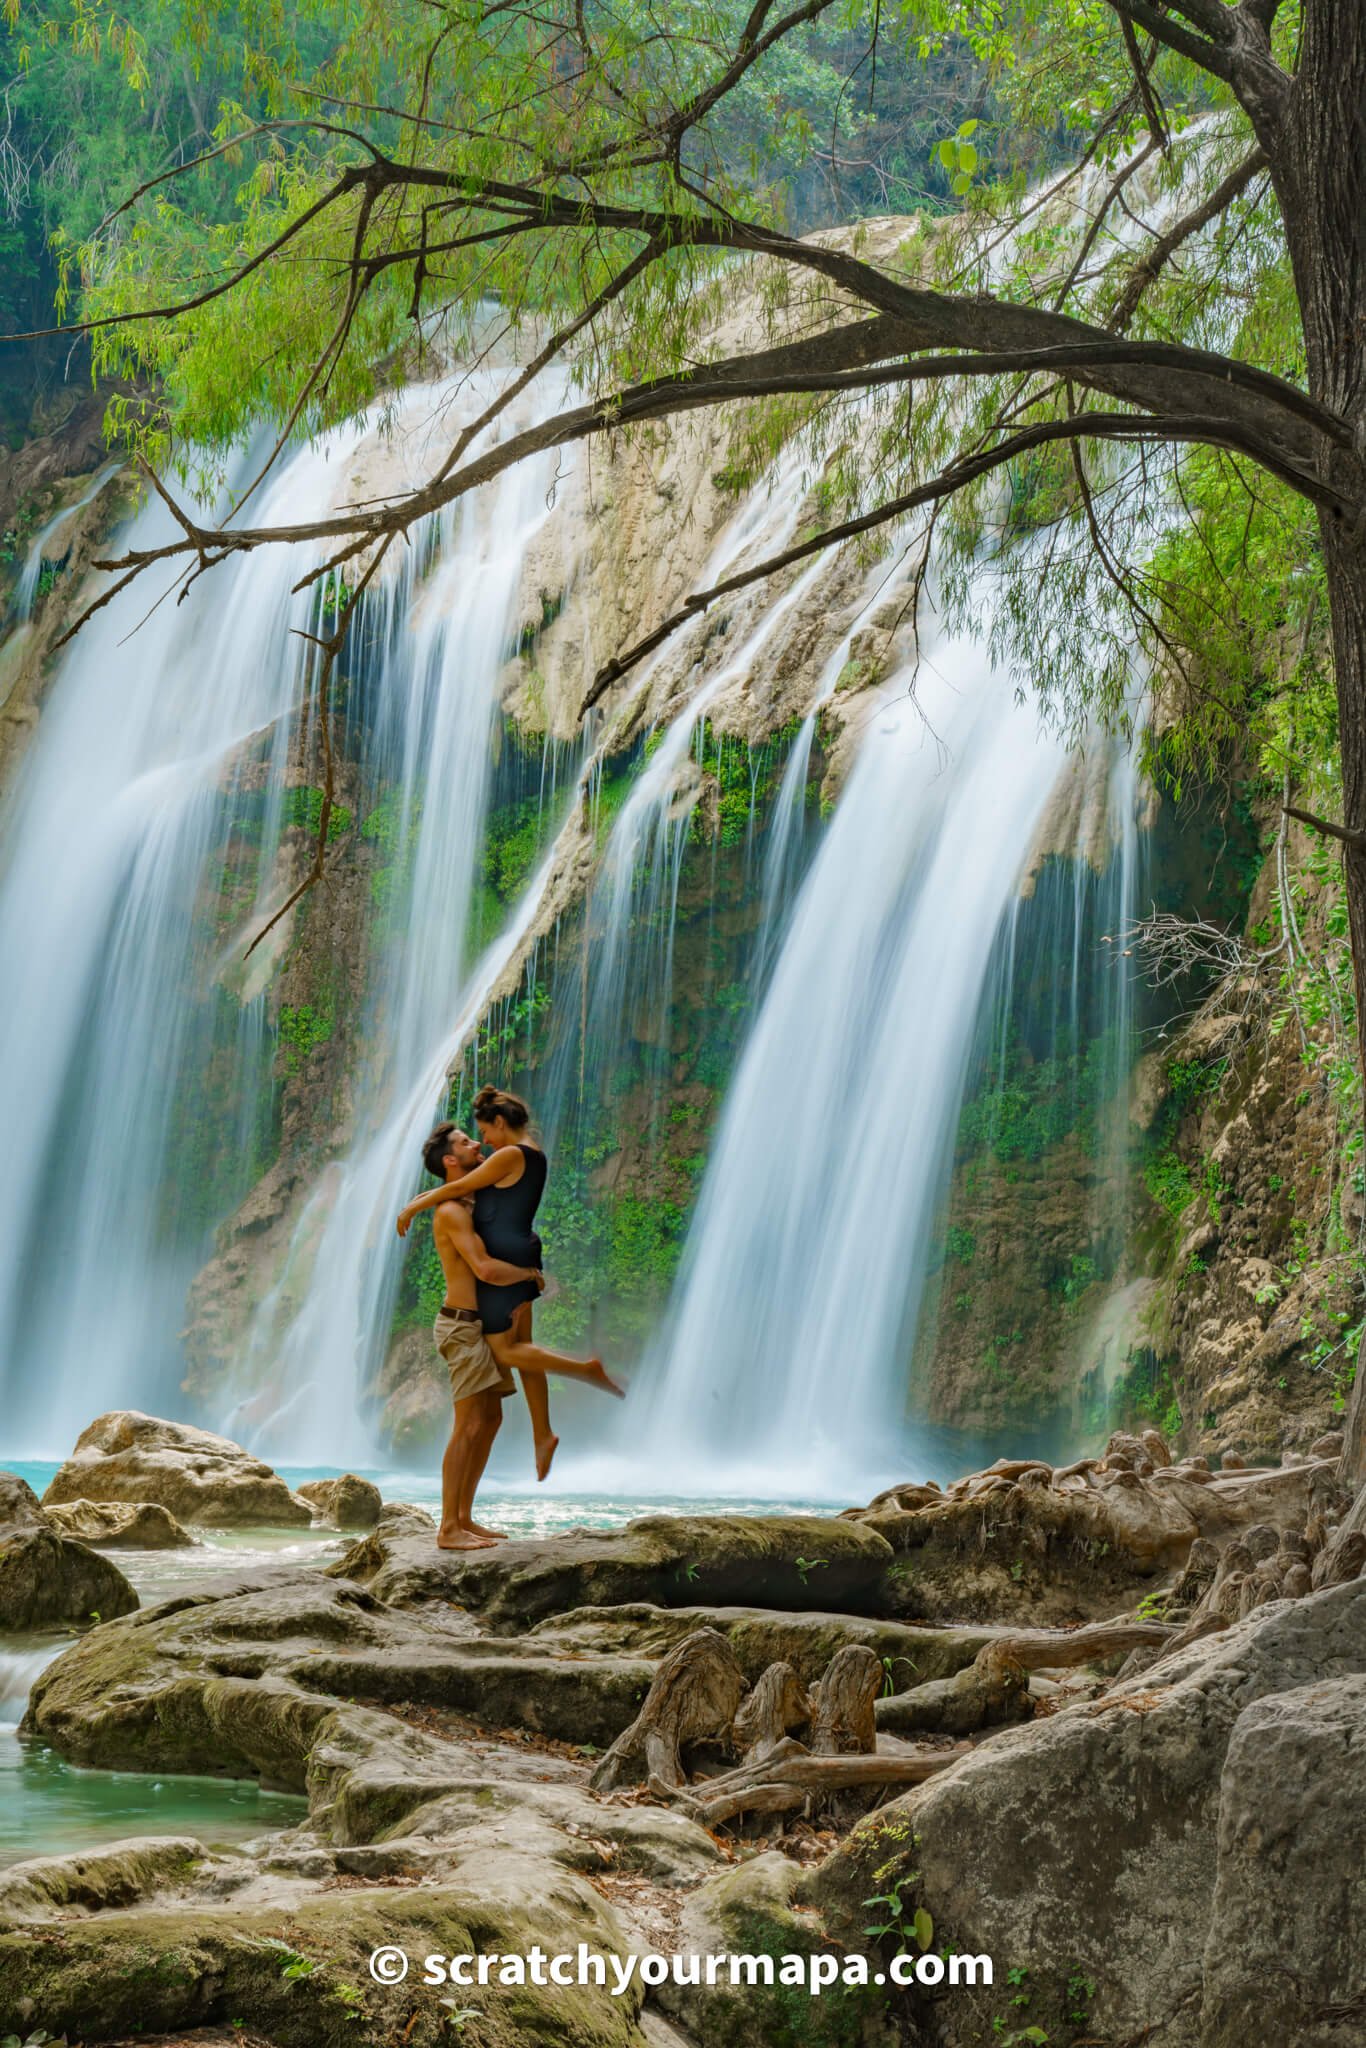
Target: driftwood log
791,1775
694,1698
1042,1649
777,1703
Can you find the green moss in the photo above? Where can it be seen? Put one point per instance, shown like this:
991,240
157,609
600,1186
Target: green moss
304,1027
304,810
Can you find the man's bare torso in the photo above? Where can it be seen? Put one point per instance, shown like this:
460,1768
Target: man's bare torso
453,1235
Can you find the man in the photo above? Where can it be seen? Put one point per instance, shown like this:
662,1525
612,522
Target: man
479,1385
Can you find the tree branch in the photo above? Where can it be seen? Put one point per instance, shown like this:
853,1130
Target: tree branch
1080,426
1344,833
1146,270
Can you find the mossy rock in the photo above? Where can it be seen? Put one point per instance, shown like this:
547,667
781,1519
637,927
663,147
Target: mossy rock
791,1562
49,1581
749,1912
301,1975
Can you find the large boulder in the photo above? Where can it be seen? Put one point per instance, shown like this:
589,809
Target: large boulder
118,1524
348,1502
197,1476
1083,1849
1284,1959
46,1580
799,1562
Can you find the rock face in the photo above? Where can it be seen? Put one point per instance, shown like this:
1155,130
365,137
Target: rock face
46,1580
1292,1799
346,1503
134,1525
1095,1847
196,1476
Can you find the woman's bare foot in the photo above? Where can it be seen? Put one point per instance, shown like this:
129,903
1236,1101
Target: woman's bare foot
546,1447
498,1535
598,1376
461,1539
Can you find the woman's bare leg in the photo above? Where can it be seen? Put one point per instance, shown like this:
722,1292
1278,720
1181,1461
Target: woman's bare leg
525,1356
537,1396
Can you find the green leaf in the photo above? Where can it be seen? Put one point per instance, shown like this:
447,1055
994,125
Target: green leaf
924,1927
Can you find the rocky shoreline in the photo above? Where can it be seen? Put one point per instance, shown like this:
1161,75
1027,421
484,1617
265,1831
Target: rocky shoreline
1102,1723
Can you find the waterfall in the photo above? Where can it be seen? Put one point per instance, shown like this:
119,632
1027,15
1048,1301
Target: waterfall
787,1346
153,752
321,1333
137,1060
41,547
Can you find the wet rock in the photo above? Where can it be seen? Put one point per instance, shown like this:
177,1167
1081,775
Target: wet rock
198,1477
1049,1845
349,1502
800,1562
46,1579
133,1525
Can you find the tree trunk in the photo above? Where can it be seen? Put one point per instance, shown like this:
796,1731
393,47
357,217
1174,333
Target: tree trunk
843,1720
694,1696
777,1703
1318,163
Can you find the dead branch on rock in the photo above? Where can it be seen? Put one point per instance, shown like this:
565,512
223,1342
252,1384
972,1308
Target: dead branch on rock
1044,1649
787,1780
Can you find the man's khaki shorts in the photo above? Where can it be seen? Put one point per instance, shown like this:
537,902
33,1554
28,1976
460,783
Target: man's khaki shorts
471,1365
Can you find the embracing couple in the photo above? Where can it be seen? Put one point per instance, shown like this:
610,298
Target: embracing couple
491,1258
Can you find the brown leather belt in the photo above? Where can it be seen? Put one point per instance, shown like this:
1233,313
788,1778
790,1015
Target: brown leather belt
459,1315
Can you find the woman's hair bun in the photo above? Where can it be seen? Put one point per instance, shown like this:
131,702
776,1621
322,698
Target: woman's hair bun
491,1102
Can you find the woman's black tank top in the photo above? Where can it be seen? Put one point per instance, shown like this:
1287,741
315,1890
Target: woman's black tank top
503,1218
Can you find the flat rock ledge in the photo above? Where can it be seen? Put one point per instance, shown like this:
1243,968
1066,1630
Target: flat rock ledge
797,1562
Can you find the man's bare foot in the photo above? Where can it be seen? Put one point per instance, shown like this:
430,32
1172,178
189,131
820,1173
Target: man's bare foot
598,1376
461,1539
546,1447
498,1535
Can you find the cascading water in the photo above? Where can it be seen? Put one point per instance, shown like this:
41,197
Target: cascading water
788,1338
148,750
322,1331
786,1349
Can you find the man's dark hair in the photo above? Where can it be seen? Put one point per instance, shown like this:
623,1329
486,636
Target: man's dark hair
435,1148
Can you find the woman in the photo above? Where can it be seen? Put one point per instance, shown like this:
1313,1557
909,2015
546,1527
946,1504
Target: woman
507,1189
